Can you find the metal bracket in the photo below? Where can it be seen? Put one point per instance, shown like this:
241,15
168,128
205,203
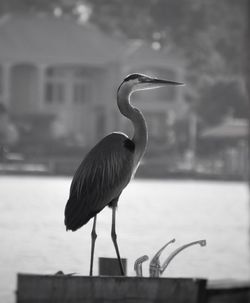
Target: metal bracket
155,268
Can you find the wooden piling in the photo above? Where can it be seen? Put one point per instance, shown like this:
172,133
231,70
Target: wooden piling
110,266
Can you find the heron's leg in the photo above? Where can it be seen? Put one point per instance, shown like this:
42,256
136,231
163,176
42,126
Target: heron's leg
93,238
114,238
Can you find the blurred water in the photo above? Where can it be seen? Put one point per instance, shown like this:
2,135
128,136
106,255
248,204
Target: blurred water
150,213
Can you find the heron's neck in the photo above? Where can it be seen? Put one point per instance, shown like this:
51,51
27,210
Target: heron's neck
140,136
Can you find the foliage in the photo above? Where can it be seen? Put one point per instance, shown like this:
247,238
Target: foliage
209,34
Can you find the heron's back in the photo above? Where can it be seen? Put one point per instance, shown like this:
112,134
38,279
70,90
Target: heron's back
99,179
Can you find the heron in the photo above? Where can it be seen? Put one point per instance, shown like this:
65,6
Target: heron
109,166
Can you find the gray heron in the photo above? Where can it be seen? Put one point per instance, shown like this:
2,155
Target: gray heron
110,164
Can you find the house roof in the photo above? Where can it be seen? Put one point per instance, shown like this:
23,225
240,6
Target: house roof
229,129
141,55
52,40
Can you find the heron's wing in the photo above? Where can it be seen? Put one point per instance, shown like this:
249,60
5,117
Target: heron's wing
100,178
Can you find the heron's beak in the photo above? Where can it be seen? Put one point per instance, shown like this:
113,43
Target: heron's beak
152,83
162,82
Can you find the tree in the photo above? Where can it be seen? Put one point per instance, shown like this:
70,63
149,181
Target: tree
209,34
38,6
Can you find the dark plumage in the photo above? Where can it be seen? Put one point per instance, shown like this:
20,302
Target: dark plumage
100,179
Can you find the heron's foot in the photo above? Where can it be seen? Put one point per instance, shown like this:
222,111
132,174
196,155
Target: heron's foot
61,273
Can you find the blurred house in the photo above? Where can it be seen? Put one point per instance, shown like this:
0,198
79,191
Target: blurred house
59,79
226,145
56,68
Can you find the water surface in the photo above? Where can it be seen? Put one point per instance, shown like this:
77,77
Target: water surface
150,213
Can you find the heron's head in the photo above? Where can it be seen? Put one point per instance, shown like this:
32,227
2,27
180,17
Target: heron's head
137,82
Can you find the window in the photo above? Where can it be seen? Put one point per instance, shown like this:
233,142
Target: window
81,85
68,84
55,85
54,92
80,92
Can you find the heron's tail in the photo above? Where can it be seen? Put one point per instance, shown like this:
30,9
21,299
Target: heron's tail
75,215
